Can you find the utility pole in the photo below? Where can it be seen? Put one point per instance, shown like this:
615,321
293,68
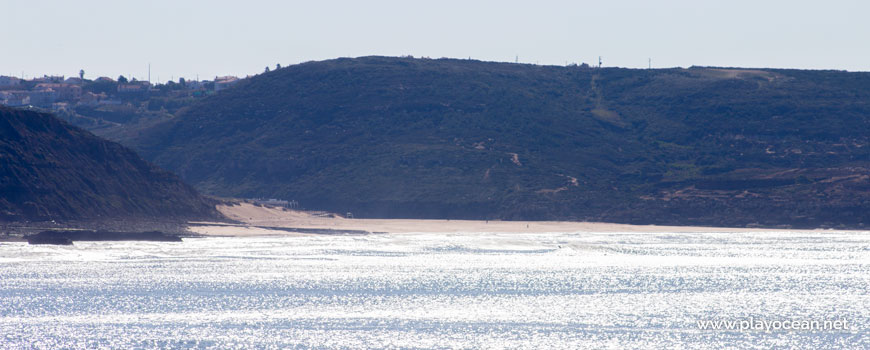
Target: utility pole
149,72
599,62
650,63
517,59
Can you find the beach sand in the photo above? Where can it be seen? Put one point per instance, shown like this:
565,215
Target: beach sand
257,221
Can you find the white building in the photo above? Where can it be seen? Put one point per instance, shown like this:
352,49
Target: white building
221,83
14,98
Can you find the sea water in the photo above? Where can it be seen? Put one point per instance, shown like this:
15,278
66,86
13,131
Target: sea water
449,290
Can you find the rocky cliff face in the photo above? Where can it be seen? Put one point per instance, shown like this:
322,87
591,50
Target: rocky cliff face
50,170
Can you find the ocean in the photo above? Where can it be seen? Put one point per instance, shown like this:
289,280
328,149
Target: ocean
580,290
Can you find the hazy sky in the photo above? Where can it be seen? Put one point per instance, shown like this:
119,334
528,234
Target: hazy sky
239,37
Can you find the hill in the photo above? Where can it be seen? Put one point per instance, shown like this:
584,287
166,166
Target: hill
404,137
50,170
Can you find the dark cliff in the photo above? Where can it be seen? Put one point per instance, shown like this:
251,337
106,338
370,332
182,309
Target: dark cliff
51,170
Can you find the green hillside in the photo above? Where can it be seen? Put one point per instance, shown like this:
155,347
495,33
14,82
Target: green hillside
404,137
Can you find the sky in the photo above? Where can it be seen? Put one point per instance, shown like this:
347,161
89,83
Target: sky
198,38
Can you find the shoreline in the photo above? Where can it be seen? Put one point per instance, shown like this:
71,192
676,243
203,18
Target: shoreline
268,221
244,219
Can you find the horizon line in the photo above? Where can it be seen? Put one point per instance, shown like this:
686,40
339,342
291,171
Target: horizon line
173,78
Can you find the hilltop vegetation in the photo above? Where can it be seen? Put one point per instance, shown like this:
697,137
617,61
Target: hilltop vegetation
404,137
50,170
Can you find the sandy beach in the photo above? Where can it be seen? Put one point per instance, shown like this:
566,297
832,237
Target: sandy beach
257,221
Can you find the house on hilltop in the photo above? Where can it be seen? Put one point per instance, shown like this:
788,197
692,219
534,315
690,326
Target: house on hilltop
14,98
221,83
66,92
91,99
135,87
49,79
74,81
42,98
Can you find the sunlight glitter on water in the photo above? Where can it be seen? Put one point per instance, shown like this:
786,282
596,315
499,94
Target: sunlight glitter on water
556,290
